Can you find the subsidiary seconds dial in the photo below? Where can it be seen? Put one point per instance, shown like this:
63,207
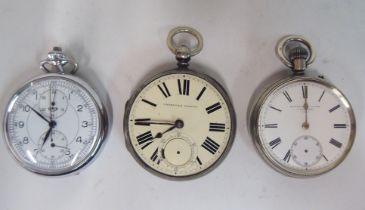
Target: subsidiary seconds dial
180,123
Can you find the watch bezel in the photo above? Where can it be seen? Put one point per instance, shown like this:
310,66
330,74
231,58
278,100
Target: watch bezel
99,138
254,118
205,77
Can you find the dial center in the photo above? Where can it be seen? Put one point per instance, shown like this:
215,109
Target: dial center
179,123
52,124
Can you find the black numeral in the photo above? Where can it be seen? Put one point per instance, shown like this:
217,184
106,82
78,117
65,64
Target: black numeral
213,108
149,102
271,126
35,93
201,93
20,124
165,91
78,139
275,142
84,124
320,98
334,108
67,152
25,140
339,125
279,110
287,96
217,127
198,160
210,145
154,156
26,108
324,157
336,143
184,88
145,138
287,156
79,108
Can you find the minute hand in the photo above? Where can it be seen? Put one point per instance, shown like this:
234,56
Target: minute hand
152,122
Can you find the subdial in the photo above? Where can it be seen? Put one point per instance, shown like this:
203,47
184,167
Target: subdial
178,150
306,151
55,148
53,103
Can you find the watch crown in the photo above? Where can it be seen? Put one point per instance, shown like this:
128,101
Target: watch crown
299,57
298,53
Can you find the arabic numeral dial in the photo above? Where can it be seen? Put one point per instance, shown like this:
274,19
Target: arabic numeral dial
52,125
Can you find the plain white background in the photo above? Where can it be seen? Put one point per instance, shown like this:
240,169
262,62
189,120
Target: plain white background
119,43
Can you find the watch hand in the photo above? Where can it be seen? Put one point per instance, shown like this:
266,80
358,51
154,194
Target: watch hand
149,122
177,124
305,125
47,135
51,124
39,114
55,145
50,101
53,101
159,135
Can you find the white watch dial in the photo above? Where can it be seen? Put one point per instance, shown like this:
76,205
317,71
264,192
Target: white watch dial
305,127
180,124
53,125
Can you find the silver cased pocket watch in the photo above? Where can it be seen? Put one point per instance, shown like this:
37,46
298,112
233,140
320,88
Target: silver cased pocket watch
301,124
55,123
179,123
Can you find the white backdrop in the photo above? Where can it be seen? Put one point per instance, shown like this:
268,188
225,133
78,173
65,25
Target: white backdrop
118,43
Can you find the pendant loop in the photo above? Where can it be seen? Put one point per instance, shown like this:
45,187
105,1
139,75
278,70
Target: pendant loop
184,29
292,43
58,62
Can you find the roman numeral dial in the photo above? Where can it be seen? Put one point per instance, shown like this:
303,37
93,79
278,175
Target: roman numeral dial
180,124
303,127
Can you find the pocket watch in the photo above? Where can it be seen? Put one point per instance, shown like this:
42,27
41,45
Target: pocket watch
180,122
55,123
302,124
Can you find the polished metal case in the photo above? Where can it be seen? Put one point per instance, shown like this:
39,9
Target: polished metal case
256,107
209,79
99,139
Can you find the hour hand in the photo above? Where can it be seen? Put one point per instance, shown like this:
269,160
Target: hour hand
178,124
148,121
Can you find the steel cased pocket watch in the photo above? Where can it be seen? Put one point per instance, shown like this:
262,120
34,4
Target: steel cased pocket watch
179,123
55,123
301,124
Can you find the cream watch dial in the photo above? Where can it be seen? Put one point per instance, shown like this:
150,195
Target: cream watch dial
180,124
53,125
305,127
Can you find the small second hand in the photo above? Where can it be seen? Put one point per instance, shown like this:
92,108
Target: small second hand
55,145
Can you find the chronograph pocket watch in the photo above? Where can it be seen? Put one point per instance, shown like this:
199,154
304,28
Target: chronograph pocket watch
55,123
179,123
302,124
